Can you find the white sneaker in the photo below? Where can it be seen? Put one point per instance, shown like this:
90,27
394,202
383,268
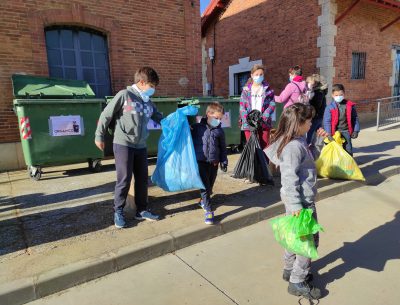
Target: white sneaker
146,215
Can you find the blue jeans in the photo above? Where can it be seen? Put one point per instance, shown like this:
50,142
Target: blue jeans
347,145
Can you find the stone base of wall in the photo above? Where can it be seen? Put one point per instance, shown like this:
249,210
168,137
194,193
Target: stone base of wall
11,156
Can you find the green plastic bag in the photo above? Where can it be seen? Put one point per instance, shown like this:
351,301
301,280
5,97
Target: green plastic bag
296,233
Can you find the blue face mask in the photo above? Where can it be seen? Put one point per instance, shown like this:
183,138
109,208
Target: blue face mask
149,92
339,98
258,79
214,122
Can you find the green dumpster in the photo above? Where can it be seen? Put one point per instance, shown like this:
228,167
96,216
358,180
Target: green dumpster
57,121
277,114
229,122
165,105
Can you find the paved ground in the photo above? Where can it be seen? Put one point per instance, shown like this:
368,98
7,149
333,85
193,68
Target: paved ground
359,262
67,217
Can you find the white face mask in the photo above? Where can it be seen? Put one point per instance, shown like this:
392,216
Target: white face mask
338,98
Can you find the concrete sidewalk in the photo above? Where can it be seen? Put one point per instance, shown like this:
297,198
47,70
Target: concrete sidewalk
58,232
358,264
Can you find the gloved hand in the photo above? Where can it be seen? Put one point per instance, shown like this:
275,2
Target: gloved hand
354,135
223,166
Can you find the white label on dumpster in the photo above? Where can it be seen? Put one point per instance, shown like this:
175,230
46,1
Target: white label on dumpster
69,125
225,122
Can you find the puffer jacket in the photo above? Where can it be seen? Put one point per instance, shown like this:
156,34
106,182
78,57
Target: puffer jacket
209,143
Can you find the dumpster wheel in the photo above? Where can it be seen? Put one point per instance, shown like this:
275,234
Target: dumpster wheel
34,172
95,165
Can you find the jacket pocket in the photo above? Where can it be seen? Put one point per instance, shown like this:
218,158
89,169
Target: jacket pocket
128,124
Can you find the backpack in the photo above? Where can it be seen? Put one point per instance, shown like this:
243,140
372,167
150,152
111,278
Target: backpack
304,97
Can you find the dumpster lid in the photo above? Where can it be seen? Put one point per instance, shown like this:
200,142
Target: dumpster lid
30,86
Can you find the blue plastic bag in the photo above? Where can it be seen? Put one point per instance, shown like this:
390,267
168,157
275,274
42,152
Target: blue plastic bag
176,168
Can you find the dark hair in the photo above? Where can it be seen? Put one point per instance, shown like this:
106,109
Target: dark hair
296,70
148,75
337,87
254,69
215,107
291,119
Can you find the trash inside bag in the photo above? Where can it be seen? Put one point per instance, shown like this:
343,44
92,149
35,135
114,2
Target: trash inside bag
177,168
334,162
252,163
295,234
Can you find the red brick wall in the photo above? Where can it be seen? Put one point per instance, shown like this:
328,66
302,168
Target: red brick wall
281,33
359,31
163,34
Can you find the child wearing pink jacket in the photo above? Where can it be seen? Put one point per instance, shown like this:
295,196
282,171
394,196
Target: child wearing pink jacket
292,91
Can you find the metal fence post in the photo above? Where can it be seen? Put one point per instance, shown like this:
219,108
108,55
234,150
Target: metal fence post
378,114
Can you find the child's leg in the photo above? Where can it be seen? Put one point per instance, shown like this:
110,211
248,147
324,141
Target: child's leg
347,145
123,165
264,137
140,173
204,171
288,260
247,134
213,176
301,268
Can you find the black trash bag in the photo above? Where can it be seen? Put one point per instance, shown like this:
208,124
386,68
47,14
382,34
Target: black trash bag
252,163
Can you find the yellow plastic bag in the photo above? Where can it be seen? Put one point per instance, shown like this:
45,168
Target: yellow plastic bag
334,162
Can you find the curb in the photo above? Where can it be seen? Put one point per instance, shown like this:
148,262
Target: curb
29,289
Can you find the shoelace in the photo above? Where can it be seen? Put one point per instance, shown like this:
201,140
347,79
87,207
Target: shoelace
310,301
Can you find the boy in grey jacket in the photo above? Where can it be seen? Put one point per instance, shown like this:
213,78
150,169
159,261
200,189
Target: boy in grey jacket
131,109
289,150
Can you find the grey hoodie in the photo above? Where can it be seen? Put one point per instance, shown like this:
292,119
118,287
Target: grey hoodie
298,173
131,116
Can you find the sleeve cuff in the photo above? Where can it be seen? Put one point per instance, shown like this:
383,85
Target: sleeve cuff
99,138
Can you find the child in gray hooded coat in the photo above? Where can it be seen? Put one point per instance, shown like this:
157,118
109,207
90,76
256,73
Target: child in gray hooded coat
289,150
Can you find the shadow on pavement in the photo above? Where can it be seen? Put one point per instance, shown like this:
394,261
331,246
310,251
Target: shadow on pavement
41,199
381,147
371,252
48,226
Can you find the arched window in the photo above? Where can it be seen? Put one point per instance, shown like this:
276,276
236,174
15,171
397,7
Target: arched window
76,53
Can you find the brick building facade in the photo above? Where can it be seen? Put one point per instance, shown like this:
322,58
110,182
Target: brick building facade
164,35
352,42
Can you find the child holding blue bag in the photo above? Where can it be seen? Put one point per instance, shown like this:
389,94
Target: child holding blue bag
290,151
210,147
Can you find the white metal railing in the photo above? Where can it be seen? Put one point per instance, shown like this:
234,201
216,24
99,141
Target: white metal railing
388,111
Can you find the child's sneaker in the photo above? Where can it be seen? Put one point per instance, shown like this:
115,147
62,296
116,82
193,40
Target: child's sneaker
119,220
305,290
146,215
200,204
209,218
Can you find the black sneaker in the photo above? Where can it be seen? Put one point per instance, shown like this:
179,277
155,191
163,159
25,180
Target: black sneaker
305,290
286,276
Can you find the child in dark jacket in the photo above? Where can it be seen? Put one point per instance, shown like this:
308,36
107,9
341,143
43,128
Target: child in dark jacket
209,144
341,115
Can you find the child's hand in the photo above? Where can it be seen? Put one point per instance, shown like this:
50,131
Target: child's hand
100,145
322,133
296,213
354,135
